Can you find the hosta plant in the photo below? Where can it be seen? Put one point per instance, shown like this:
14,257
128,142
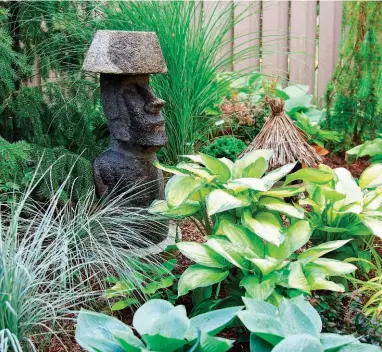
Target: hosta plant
342,208
161,327
294,327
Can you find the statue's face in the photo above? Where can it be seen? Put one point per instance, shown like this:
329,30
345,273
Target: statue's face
134,111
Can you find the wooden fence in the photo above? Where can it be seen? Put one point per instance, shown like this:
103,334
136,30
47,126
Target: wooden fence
297,41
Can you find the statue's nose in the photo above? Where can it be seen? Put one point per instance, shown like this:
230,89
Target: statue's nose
155,106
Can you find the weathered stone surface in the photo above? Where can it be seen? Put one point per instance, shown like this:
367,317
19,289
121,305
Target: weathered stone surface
121,52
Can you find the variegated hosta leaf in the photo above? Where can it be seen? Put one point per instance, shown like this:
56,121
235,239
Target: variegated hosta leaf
283,192
219,200
330,194
229,251
311,175
180,188
318,251
352,192
316,207
374,225
256,289
297,279
249,159
282,207
373,199
171,169
278,174
242,184
266,225
188,208
217,167
317,281
332,267
195,158
371,177
197,170
268,264
202,254
256,169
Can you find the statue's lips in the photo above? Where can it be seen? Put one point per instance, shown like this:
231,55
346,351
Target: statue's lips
154,127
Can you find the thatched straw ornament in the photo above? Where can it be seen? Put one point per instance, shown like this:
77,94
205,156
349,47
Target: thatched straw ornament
287,141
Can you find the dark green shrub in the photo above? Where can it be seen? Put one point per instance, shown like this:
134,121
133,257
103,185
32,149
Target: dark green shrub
225,147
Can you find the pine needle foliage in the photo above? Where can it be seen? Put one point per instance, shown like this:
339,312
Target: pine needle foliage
354,92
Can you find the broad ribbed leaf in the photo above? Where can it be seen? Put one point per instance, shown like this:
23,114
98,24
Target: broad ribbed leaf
334,341
309,311
317,281
259,306
268,264
214,344
242,184
202,254
171,169
217,167
199,276
374,225
180,188
256,289
266,225
188,208
161,343
371,177
283,192
359,347
197,170
297,279
311,175
299,343
256,169
279,173
282,207
332,267
129,341
218,201
318,251
257,344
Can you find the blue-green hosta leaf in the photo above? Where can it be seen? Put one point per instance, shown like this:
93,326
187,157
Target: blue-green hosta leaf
309,311
371,177
317,176
214,344
296,90
197,170
242,184
374,225
199,276
129,341
268,264
258,306
282,207
298,234
218,201
299,343
297,279
332,267
317,281
258,344
333,341
256,289
267,327
159,317
266,225
229,251
243,238
294,321
211,322
359,347
318,251
279,173
161,343
256,169
217,167
180,188
94,332
283,192
188,208
202,254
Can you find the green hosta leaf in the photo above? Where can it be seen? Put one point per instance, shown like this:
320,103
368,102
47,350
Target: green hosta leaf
122,304
332,267
259,306
311,175
161,343
318,251
268,264
256,344
267,327
299,343
211,322
180,188
217,167
266,225
316,280
309,311
294,321
282,207
279,173
197,170
159,317
154,286
371,177
256,169
214,344
333,341
94,332
370,148
202,254
171,169
199,276
297,279
242,184
244,238
297,236
283,192
218,201
374,225
188,208
229,251
256,289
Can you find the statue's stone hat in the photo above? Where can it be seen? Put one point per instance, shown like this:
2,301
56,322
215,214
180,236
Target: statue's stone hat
128,53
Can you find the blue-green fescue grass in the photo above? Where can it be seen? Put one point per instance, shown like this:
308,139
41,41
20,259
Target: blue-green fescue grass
55,256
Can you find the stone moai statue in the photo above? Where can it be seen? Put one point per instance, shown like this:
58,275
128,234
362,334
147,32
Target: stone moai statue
125,61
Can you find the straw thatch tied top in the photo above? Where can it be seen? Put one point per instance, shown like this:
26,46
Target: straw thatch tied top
287,141
122,52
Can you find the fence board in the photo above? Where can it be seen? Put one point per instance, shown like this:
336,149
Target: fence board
329,39
275,38
247,36
302,43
